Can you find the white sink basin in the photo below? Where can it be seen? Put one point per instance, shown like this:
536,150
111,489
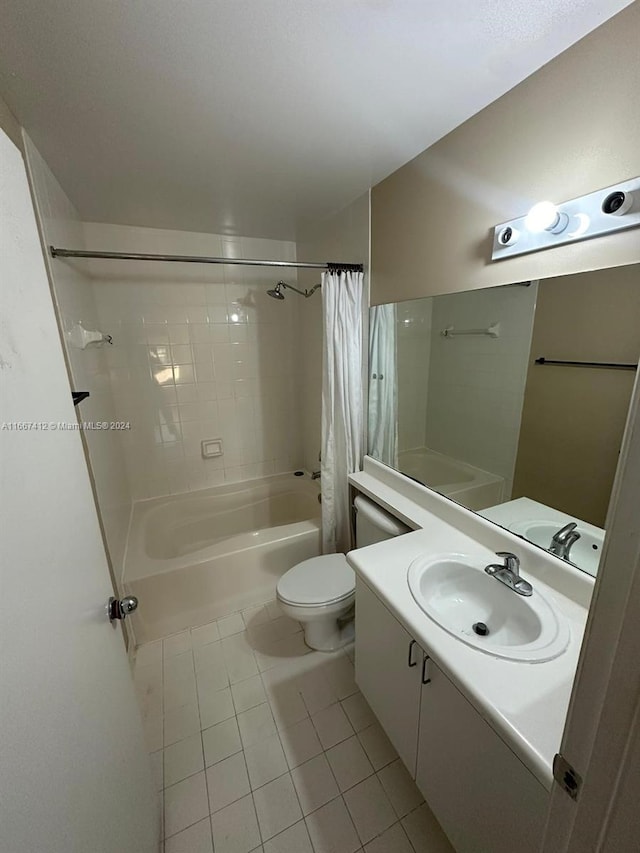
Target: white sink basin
456,593
585,553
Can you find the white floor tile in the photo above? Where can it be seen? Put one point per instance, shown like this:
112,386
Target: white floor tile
235,828
238,658
370,809
300,743
349,763
221,741
256,724
185,803
360,714
317,693
314,784
331,829
183,759
392,840
211,678
178,665
215,706
208,656
157,768
377,745
285,699
229,625
149,653
152,728
177,644
195,839
149,696
332,726
179,689
204,635
181,723
400,788
249,693
254,616
277,806
292,840
227,781
265,761
424,831
340,673
280,651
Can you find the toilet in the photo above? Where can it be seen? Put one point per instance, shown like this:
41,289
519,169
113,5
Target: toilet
320,592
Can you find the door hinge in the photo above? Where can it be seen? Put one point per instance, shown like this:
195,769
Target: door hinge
565,775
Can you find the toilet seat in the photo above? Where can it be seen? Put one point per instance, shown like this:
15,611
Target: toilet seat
317,582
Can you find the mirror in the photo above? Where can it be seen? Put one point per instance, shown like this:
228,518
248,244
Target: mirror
471,394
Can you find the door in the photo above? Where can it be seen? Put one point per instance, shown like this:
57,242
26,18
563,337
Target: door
388,672
484,798
74,774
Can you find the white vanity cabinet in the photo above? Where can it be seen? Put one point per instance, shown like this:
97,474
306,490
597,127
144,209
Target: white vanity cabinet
486,800
388,672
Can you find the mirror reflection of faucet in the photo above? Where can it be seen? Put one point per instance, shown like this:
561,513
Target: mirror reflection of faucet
563,539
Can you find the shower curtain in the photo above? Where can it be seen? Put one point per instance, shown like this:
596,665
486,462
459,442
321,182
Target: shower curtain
342,401
383,396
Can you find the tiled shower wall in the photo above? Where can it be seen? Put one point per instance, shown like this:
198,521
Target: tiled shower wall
200,351
74,299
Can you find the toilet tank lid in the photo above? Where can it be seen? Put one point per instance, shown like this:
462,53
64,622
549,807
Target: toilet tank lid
320,580
382,519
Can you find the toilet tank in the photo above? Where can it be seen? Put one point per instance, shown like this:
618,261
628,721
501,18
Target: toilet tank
374,524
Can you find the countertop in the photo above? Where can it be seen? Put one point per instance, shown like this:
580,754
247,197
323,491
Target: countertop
525,703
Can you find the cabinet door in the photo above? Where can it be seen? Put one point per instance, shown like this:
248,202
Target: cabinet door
388,668
486,800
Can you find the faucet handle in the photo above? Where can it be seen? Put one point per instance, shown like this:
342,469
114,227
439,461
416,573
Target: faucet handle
511,561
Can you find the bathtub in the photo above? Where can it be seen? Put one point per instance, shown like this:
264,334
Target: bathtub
472,487
195,557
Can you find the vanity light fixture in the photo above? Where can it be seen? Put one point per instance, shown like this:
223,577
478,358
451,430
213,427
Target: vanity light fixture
546,225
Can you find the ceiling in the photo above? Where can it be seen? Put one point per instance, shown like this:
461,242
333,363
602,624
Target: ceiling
256,116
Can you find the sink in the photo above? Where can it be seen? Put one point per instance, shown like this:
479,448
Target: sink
456,593
585,553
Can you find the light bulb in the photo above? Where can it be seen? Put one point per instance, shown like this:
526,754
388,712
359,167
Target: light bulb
543,216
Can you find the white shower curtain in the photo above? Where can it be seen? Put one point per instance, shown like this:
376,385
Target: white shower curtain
383,396
342,401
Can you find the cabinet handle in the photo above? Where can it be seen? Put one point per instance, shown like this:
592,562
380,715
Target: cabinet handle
425,680
409,661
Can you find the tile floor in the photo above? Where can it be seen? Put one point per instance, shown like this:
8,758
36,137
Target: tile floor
260,744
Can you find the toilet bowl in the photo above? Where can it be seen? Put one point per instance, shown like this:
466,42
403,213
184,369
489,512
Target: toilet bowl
320,592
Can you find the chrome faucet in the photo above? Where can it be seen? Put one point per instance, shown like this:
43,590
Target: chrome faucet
508,573
315,475
562,541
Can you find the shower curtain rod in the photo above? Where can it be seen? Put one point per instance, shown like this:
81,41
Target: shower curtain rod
196,259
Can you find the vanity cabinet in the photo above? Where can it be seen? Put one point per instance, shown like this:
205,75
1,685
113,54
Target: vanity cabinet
388,672
485,799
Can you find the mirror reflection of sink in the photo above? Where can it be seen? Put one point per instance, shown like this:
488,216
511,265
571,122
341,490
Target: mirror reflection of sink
585,553
455,592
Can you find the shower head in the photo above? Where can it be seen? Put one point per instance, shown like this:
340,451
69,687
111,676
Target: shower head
276,293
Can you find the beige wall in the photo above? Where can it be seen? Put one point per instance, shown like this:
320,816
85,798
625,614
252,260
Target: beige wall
343,237
573,417
569,129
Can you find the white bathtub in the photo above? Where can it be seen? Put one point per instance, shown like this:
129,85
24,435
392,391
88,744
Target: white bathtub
472,487
198,556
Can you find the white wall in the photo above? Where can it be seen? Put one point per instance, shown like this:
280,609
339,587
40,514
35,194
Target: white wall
200,351
413,342
88,369
476,384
